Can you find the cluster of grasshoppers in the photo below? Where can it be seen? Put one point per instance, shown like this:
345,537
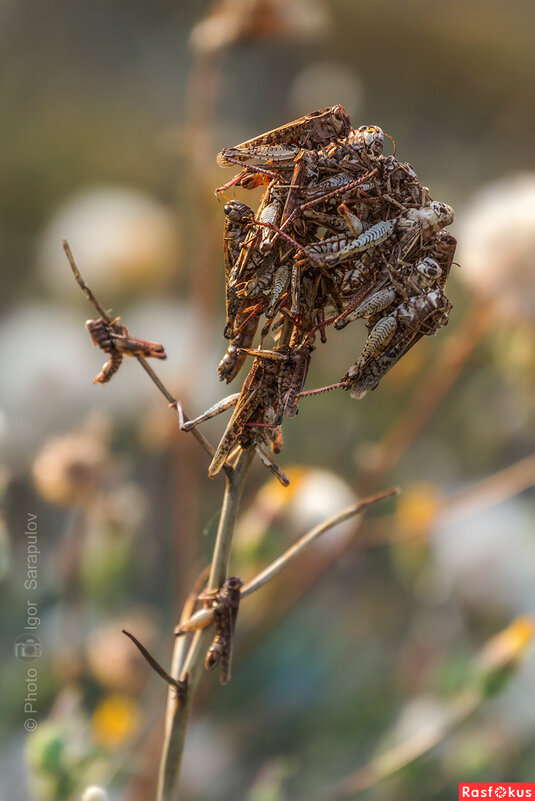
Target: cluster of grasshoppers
342,232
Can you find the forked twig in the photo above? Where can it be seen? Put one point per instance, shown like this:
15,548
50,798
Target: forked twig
298,547
143,362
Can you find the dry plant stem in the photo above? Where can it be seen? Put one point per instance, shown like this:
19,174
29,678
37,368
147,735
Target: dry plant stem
399,757
454,354
298,547
190,667
489,492
101,311
454,509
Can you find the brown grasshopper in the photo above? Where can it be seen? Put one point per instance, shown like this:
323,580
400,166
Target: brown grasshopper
255,410
221,607
118,344
277,148
293,377
358,151
419,224
392,336
238,219
442,249
312,130
247,325
342,233
226,605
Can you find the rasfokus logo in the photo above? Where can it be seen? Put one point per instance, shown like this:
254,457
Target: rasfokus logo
490,790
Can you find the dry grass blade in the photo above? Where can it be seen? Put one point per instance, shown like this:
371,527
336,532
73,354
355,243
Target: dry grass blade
307,539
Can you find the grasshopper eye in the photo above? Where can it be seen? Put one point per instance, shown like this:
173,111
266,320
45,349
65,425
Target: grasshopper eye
234,211
445,212
341,120
429,268
234,583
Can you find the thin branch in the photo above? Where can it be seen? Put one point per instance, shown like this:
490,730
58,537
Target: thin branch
490,491
191,667
80,281
101,311
453,509
307,539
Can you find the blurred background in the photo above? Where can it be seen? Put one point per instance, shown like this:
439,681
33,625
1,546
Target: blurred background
112,114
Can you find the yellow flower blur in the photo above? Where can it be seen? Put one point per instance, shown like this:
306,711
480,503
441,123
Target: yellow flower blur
115,718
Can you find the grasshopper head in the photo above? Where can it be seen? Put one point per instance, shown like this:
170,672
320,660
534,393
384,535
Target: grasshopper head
340,120
234,583
429,269
371,137
237,211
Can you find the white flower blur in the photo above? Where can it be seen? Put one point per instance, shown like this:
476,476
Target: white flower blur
497,245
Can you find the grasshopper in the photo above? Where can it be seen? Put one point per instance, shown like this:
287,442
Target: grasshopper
255,409
313,130
232,362
293,377
119,343
442,249
277,157
342,182
226,602
340,248
277,148
392,336
368,137
420,225
238,219
221,608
